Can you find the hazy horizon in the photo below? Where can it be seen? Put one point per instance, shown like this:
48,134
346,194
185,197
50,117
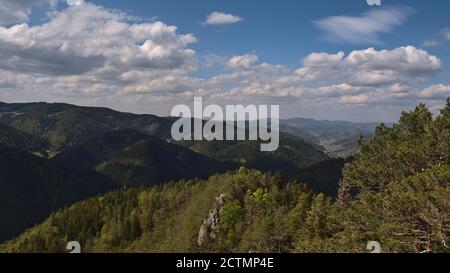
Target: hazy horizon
169,116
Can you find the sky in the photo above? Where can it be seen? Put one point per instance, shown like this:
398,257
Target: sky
322,59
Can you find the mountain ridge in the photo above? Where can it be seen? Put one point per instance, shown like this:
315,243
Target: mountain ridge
127,150
132,158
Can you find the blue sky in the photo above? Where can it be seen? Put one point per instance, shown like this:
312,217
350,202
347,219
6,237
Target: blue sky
321,59
282,31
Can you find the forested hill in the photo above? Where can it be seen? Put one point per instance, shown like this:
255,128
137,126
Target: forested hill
32,188
131,158
13,138
61,147
257,212
396,192
64,126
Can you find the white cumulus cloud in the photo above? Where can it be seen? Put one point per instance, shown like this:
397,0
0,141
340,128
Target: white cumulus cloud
242,62
438,91
220,18
371,67
18,11
83,38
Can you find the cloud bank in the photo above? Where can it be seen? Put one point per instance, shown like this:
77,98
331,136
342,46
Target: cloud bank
95,56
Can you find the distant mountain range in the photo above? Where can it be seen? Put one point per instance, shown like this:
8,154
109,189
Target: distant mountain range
338,138
56,154
63,125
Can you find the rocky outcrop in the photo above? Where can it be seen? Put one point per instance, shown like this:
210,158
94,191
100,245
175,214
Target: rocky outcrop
210,226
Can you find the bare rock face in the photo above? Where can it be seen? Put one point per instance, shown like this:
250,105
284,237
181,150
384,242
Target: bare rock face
210,226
